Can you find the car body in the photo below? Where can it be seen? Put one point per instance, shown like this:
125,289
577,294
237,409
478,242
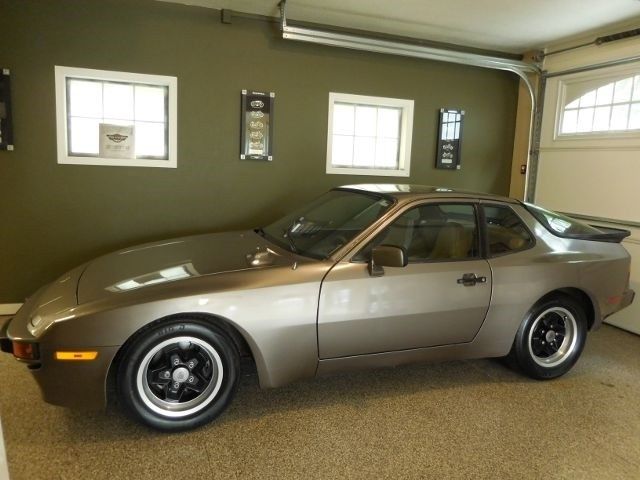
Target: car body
298,314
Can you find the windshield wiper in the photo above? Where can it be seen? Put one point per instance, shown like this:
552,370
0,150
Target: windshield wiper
287,234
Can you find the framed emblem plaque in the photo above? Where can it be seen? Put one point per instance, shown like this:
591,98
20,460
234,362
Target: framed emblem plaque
256,137
449,137
6,125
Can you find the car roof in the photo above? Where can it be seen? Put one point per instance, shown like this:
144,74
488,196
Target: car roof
407,192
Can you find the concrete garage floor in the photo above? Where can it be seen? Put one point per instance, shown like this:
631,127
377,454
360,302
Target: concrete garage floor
461,419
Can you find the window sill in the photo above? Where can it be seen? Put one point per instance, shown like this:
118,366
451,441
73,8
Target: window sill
116,162
366,171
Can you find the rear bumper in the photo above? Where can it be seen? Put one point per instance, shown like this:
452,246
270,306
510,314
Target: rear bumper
627,299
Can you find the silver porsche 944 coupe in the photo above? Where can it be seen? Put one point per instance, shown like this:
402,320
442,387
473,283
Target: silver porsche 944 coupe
364,276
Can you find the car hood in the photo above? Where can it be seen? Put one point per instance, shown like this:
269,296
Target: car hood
176,260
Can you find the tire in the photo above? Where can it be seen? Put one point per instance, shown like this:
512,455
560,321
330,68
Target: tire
551,338
178,375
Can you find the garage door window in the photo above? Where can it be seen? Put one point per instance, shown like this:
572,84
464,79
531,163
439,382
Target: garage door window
369,135
115,118
592,106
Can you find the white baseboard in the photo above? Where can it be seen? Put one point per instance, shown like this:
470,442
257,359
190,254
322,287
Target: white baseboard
9,308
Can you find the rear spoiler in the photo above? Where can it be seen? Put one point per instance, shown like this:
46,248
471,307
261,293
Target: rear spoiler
609,234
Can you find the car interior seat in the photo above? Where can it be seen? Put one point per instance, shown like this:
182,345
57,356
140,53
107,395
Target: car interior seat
453,241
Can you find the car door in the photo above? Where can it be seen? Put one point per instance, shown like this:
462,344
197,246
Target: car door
441,297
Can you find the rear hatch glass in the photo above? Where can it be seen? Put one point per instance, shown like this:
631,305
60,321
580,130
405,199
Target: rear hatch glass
568,227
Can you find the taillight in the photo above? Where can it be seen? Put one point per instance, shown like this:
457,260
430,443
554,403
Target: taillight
25,350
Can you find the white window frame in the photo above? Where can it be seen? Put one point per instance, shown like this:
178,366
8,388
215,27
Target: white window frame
406,131
61,75
602,135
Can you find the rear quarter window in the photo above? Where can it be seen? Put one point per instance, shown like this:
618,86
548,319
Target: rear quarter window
506,232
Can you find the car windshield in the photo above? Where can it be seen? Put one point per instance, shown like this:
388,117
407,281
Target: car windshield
559,224
326,224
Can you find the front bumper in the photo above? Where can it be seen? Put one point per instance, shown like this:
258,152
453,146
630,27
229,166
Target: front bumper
5,343
76,384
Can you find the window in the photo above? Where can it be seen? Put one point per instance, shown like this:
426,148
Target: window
610,104
326,224
561,225
431,233
505,230
115,118
369,135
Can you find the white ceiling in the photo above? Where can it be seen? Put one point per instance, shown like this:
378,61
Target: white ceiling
507,25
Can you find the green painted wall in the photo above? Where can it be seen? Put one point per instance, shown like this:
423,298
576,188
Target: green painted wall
54,217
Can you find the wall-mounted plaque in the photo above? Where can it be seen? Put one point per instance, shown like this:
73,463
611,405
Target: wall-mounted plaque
449,137
256,137
6,124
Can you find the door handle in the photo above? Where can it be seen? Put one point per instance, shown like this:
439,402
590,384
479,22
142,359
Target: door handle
470,279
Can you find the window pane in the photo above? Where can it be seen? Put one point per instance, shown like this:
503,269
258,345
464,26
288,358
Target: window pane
623,90
388,122
560,224
505,230
636,88
634,116
432,233
619,115
342,151
343,119
150,103
601,119
387,153
585,119
588,99
150,140
573,104
84,136
366,121
604,95
364,151
570,121
118,101
85,98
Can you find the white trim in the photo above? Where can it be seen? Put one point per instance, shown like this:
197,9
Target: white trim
611,73
61,116
4,465
553,110
9,308
406,132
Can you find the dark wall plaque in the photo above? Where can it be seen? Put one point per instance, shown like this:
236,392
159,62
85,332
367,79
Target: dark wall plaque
449,137
256,138
6,124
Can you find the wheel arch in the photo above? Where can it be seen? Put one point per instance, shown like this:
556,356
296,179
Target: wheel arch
245,350
580,296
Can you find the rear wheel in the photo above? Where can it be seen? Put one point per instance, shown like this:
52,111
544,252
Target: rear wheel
551,338
178,375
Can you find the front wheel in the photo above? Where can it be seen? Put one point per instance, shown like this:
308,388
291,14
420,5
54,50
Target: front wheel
178,375
551,338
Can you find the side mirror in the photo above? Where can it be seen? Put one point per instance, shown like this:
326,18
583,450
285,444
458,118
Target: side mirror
386,256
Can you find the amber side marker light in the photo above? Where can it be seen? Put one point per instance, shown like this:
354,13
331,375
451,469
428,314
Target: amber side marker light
76,355
25,350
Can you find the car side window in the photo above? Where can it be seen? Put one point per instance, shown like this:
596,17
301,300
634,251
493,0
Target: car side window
431,232
506,232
